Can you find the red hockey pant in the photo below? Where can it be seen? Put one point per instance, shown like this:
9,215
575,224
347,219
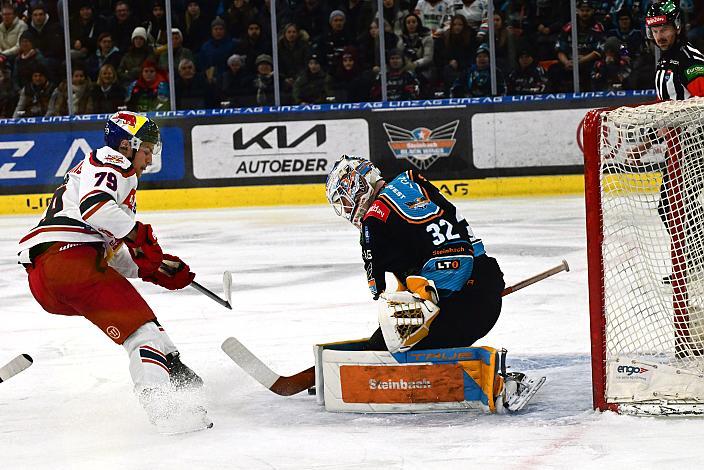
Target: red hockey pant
78,281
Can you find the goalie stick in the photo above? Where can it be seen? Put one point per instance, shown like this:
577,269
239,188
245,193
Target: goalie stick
278,384
293,384
15,366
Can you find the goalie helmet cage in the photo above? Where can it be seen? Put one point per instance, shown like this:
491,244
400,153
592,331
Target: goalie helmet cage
644,173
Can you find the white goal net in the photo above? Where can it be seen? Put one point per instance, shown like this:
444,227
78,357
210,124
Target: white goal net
650,230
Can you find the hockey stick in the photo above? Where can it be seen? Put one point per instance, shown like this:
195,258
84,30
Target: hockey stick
293,384
227,288
253,366
226,285
15,366
538,277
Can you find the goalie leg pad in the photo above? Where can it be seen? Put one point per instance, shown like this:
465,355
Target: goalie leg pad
404,319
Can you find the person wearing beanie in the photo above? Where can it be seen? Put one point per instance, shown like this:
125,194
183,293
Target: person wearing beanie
329,47
337,14
235,85
628,33
264,81
213,55
217,22
85,28
26,60
131,63
155,26
528,78
613,68
180,52
401,84
35,95
350,84
263,59
313,85
476,81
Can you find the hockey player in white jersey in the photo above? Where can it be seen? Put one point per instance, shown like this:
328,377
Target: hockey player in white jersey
88,242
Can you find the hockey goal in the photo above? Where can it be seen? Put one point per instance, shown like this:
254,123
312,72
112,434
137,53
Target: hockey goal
644,174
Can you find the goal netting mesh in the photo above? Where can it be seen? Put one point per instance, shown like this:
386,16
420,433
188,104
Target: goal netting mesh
651,175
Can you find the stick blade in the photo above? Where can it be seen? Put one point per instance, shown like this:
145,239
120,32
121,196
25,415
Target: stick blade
297,383
227,286
15,366
284,386
250,363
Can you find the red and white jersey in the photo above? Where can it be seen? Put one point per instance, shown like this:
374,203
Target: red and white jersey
95,203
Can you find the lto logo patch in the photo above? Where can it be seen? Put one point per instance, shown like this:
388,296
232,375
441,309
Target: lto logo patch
113,332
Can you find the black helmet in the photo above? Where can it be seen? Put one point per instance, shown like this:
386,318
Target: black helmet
663,13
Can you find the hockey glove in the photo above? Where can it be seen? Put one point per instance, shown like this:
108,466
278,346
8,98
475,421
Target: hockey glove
173,274
144,249
404,319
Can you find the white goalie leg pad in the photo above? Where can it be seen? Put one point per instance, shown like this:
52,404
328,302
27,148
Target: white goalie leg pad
147,348
405,319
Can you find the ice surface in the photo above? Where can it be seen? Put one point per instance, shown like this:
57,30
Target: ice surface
298,280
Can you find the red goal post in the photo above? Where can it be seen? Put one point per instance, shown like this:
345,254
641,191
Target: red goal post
644,174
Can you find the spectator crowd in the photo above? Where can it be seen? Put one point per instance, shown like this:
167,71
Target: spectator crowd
328,51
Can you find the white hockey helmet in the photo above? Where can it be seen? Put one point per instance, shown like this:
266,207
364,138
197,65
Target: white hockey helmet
350,187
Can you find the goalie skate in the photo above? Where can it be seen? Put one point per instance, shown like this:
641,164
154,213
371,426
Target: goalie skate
519,390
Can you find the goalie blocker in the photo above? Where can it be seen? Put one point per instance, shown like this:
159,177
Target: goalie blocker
349,379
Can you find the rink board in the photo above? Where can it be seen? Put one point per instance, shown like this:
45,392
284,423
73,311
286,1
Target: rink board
304,194
454,379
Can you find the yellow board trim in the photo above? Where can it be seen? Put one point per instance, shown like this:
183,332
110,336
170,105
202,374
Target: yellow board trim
303,194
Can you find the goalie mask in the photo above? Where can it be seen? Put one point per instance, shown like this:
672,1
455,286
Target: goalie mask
350,187
658,14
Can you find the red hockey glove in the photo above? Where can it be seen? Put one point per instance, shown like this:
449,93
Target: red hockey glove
144,249
173,274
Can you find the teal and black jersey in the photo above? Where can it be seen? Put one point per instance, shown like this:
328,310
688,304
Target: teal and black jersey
411,229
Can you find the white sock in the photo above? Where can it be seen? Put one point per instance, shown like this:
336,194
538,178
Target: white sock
147,348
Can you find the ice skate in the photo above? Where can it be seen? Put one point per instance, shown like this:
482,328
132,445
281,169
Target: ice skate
519,389
182,376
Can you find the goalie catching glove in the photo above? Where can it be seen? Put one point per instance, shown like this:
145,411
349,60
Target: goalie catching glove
172,274
404,319
144,249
